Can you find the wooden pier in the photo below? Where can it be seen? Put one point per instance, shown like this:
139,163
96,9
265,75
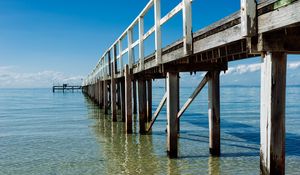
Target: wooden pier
66,87
269,28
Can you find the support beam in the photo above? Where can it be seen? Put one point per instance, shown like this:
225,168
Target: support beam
113,88
101,103
113,97
214,112
122,84
193,96
142,105
149,100
272,113
156,113
128,100
172,110
105,96
119,95
134,97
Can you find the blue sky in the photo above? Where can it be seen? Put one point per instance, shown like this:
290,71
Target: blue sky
49,41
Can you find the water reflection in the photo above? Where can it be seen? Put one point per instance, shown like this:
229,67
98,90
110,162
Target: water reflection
124,153
214,165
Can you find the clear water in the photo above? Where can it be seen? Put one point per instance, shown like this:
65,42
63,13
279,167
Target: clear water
46,133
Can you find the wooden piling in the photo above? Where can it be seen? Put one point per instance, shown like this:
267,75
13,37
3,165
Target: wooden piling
272,113
123,101
101,89
105,97
149,100
214,112
119,95
113,97
134,97
142,105
172,110
128,100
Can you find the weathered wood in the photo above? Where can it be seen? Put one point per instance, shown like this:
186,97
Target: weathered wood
118,94
142,105
172,106
187,27
101,95
178,101
141,44
248,18
113,88
194,95
157,17
272,113
123,100
105,96
134,91
214,112
149,100
157,111
130,48
279,18
128,100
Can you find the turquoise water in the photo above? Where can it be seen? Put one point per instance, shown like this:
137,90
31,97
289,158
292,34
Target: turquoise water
46,133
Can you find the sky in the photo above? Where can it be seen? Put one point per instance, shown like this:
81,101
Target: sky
45,42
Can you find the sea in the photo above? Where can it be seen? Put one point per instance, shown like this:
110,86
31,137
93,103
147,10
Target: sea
47,133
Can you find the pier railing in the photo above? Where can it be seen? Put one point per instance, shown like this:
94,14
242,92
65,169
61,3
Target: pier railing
113,56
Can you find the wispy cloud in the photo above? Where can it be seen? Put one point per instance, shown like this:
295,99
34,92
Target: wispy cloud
11,77
249,68
294,65
244,68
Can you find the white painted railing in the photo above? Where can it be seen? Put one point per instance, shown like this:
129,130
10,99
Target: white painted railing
101,71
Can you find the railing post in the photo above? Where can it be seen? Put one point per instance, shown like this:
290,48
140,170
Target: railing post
130,53
120,56
141,42
187,27
248,18
157,17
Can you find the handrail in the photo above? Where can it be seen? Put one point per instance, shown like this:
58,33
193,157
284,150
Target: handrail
102,66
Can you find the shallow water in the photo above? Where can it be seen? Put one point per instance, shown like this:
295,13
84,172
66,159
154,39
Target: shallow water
46,133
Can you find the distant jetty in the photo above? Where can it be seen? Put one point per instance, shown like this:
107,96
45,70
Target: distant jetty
65,87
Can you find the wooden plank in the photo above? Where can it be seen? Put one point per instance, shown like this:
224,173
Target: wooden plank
272,113
149,100
214,112
172,13
248,18
128,100
142,105
279,18
149,32
157,111
172,106
232,34
193,96
135,43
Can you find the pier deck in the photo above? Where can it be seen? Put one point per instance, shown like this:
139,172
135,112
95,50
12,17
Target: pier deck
270,29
